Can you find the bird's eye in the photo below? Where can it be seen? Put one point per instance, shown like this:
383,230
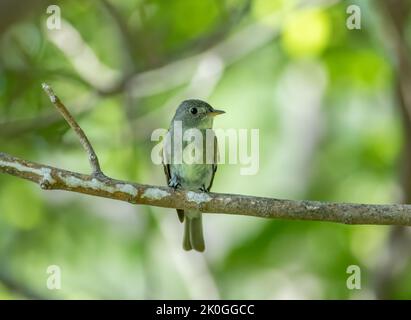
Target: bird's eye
193,110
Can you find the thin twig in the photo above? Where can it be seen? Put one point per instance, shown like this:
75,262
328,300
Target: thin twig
94,163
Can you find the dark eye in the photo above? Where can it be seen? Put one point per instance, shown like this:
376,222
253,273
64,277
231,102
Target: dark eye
193,110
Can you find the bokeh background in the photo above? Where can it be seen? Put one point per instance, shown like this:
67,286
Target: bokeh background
332,106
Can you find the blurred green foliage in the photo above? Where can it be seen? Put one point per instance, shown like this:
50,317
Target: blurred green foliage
330,129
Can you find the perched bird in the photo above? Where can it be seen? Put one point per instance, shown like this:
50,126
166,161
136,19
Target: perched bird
196,175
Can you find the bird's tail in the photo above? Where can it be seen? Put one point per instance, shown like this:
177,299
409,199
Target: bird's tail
193,233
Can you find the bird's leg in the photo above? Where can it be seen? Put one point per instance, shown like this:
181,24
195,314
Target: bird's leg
203,189
174,182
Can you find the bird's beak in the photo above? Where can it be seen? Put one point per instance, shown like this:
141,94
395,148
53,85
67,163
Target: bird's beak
216,112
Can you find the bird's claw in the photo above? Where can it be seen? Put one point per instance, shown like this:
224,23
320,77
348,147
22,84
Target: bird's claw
174,183
203,189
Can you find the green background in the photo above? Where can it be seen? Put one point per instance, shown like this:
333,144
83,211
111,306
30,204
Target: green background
324,98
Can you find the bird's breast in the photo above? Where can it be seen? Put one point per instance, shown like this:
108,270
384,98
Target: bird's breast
193,176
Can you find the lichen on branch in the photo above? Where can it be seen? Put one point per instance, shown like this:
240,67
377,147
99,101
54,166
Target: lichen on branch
97,184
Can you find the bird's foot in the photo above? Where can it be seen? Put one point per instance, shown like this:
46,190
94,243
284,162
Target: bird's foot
174,183
203,189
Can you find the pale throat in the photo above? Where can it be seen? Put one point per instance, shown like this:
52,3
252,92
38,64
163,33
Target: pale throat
206,123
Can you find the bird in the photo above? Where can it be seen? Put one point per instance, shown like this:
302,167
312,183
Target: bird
194,175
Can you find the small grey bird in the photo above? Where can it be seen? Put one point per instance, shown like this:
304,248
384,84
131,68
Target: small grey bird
195,176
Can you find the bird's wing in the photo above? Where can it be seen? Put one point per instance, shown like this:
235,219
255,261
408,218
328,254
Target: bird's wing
167,172
214,163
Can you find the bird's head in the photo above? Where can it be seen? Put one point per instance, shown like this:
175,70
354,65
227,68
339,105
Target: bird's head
196,114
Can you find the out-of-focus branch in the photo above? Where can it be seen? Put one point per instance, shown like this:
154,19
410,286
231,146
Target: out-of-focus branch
17,128
395,256
229,19
164,78
170,74
12,11
98,75
128,41
18,288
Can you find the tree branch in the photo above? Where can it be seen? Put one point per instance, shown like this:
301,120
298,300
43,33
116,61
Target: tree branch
93,159
97,184
50,178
